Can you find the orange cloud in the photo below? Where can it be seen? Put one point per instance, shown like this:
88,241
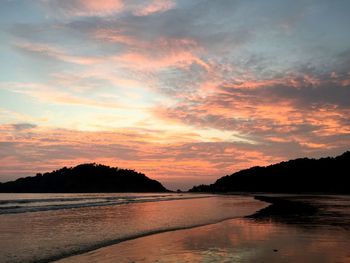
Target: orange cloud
144,62
259,109
169,160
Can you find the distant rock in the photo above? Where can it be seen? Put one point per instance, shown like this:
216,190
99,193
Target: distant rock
325,175
84,178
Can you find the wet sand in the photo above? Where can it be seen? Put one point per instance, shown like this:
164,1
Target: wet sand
52,234
292,229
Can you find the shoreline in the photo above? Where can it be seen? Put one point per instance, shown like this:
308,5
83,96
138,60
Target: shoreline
287,229
118,241
273,209
282,208
112,242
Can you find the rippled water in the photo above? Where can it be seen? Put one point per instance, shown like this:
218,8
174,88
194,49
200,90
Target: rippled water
20,203
236,240
41,227
321,238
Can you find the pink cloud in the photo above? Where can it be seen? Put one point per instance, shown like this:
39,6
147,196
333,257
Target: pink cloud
155,54
84,7
144,62
107,7
104,6
156,6
48,50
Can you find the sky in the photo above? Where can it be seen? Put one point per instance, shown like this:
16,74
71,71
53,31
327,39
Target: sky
185,91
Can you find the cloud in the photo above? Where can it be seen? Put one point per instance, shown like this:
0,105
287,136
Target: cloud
156,6
50,94
45,50
302,109
179,89
45,149
23,126
88,8
84,7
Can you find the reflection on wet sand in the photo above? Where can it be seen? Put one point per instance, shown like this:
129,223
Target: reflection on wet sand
236,240
53,234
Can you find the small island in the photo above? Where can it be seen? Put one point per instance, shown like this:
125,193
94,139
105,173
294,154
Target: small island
84,178
330,175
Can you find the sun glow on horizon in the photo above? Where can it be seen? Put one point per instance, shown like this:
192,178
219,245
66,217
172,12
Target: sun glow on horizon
180,90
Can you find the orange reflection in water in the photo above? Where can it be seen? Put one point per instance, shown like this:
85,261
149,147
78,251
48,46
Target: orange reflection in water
237,240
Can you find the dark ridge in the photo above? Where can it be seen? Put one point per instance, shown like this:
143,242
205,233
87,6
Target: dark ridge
84,178
304,175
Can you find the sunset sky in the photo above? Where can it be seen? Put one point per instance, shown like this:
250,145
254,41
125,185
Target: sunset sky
184,91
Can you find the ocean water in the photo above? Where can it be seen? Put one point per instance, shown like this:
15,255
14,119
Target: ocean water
20,203
320,238
45,227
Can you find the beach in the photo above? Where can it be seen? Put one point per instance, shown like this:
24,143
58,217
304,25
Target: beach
48,227
298,235
174,228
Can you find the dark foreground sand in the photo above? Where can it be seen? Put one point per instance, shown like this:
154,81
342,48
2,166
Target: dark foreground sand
292,229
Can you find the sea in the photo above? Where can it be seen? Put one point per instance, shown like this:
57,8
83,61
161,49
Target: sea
323,237
48,227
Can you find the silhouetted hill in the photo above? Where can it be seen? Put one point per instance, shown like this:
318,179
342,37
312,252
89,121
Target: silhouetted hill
325,175
84,178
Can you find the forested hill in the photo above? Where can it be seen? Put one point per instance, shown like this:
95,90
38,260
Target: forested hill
325,175
84,178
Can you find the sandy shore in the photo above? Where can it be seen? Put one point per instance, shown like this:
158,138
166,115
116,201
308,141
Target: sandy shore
292,229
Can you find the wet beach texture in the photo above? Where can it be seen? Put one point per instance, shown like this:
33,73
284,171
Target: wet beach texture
291,229
46,227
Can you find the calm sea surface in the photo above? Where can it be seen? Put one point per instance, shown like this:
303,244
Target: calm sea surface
42,227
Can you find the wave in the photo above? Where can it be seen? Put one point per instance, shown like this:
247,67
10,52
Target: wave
105,243
12,206
98,224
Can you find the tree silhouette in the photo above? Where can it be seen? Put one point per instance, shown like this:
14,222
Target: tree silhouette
325,175
89,177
